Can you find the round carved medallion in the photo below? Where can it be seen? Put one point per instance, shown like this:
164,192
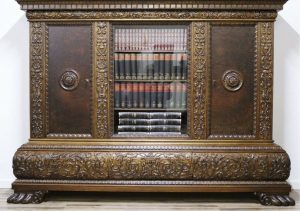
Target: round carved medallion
232,80
69,80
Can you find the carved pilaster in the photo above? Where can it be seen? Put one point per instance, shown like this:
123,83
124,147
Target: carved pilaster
37,76
265,79
199,67
101,79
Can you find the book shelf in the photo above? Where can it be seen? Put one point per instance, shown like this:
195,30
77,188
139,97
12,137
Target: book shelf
151,96
150,75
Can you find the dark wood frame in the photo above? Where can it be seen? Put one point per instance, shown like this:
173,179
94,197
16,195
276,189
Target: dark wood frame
77,162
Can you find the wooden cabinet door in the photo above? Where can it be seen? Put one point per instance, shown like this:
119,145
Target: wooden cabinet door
69,93
232,87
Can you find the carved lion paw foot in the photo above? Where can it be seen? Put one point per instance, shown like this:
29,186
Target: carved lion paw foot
275,199
35,197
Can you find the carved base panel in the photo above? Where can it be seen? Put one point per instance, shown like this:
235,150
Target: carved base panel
147,168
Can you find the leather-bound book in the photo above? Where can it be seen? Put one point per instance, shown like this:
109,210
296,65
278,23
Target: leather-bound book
153,95
183,95
147,95
127,66
133,66
168,65
123,95
135,95
116,66
161,66
121,66
184,66
156,66
178,93
139,66
129,99
160,93
166,95
141,92
117,95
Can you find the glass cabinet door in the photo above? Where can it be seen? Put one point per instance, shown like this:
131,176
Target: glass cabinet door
150,80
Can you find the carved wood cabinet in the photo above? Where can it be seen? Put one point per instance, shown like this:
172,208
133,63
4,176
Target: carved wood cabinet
151,96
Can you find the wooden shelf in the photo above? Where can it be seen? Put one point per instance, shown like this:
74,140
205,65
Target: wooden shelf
150,80
151,109
150,51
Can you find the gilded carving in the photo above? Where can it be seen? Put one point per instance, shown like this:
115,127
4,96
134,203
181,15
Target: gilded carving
200,34
151,165
151,15
37,77
101,75
246,166
265,84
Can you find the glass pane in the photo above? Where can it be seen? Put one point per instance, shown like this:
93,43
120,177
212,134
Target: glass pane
150,70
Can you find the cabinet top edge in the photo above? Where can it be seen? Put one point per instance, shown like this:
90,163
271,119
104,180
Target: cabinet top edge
151,5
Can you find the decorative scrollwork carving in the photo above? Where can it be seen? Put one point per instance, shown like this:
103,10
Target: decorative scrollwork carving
151,165
265,78
232,80
101,32
151,15
34,197
268,199
200,36
69,80
37,75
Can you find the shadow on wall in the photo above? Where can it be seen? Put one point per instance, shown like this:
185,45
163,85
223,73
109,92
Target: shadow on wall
286,51
14,86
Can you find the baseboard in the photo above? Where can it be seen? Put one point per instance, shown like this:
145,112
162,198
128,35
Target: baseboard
6,183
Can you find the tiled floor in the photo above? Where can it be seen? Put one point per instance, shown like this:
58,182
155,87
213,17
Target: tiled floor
144,201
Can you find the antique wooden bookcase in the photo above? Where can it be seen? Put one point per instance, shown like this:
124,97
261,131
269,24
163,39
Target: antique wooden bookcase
151,96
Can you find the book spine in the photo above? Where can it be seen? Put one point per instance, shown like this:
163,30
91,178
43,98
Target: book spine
149,128
139,65
150,66
129,95
165,115
168,64
184,66
116,39
178,95
123,95
137,115
156,66
117,95
166,97
147,95
183,96
121,66
174,66
129,121
161,66
135,95
141,95
164,121
116,66
133,66
127,66
153,95
160,92
145,65
172,95
179,66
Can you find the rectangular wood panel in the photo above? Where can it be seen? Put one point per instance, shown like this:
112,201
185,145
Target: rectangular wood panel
69,75
232,112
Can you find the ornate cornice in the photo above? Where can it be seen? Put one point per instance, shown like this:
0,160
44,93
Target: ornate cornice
151,5
53,15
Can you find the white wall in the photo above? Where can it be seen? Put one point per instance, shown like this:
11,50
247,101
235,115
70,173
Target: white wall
14,85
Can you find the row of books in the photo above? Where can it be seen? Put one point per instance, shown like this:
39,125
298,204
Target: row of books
150,95
150,39
149,115
149,128
150,66
149,122
133,121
